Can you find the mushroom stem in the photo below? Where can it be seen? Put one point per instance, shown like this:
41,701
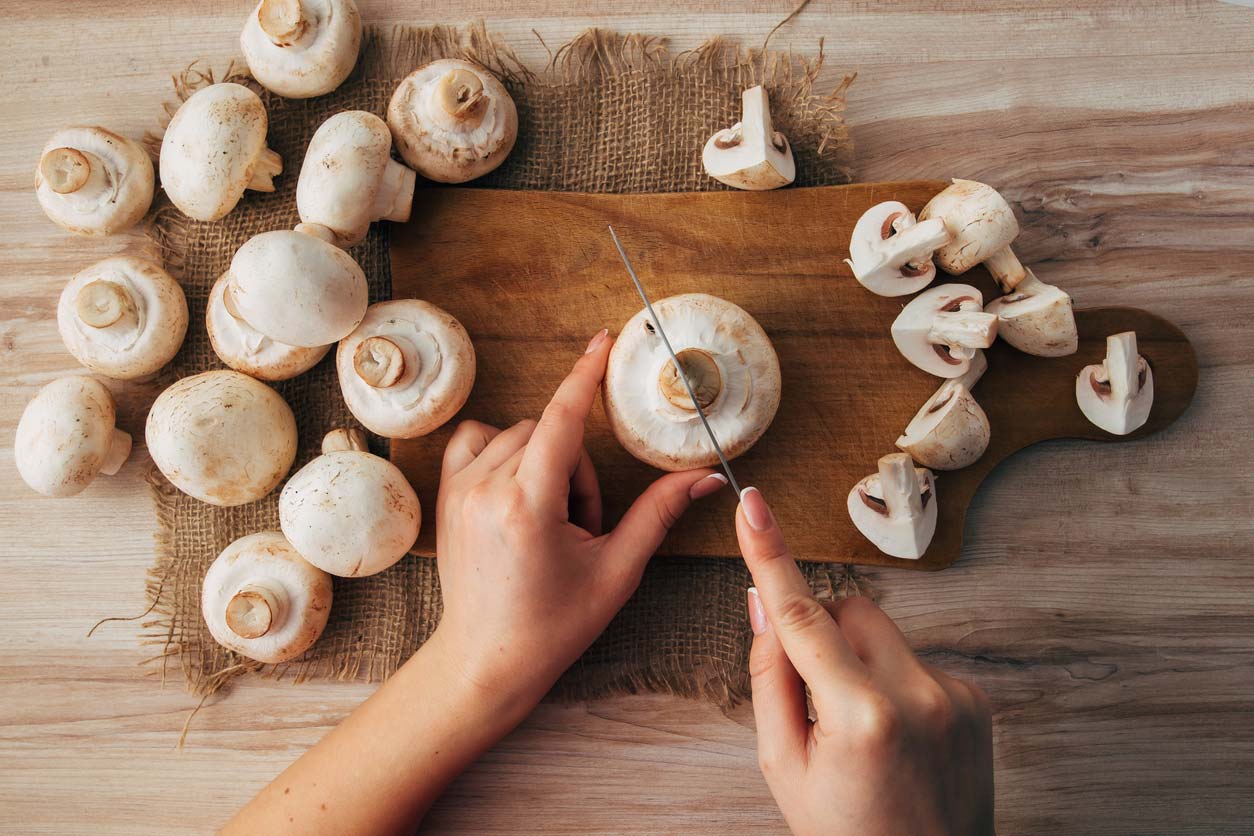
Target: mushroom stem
255,609
1006,270
284,21
968,379
268,165
899,485
396,193
345,438
317,231
379,362
102,303
915,243
69,171
702,373
460,95
964,329
1122,368
119,451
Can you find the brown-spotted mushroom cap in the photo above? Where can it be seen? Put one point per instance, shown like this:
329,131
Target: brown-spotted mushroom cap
728,359
981,226
1118,394
406,369
246,349
890,252
91,181
123,317
895,508
67,434
214,148
951,430
222,437
301,48
1036,318
263,600
941,329
452,121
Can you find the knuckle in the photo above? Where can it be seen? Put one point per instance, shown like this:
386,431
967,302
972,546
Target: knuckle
668,510
876,723
798,613
761,663
936,709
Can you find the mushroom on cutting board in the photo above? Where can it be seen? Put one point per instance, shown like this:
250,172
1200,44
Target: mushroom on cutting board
301,48
263,600
1118,394
728,359
214,149
406,369
895,508
247,350
91,181
349,512
940,329
452,121
981,226
890,252
123,317
222,437
1036,318
350,179
950,431
750,154
67,434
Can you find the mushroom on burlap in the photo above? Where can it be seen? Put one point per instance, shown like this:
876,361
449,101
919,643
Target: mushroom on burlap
301,48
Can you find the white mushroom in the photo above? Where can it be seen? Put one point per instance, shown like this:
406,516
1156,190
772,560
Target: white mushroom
349,512
222,437
896,508
406,369
67,434
981,226
890,252
246,349
301,48
452,121
950,431
263,600
750,154
1036,318
728,359
1118,394
93,182
350,179
214,148
940,330
123,317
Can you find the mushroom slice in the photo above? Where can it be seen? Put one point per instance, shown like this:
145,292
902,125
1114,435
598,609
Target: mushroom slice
301,48
896,508
730,362
246,349
940,330
123,317
981,226
890,252
349,512
263,600
750,154
1036,318
950,431
452,121
406,369
214,148
67,435
91,181
1117,395
222,437
350,179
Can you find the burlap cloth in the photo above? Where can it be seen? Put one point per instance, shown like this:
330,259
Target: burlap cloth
610,113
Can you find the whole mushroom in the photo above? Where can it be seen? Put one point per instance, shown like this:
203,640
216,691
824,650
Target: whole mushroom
750,154
1036,318
890,252
1118,394
67,435
728,359
895,508
951,430
940,329
301,48
981,227
247,350
91,181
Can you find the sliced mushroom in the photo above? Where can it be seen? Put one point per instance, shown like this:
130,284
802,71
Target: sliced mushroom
1117,395
301,48
950,431
91,181
940,330
896,508
222,437
246,349
981,226
123,317
214,148
890,252
452,121
67,435
350,179
750,154
728,359
1036,318
263,600
406,369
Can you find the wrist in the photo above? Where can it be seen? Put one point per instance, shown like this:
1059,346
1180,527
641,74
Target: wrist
487,686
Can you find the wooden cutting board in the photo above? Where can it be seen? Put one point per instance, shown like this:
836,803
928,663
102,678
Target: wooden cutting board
533,275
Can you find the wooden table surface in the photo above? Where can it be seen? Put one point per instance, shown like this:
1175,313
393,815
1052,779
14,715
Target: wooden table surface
1105,597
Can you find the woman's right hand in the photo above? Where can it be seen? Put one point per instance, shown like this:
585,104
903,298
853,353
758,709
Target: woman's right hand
897,746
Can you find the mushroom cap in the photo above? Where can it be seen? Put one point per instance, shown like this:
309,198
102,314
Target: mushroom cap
434,377
297,288
139,342
211,149
115,202
950,431
247,350
444,148
222,437
1118,394
912,329
314,62
735,367
883,507
67,435
890,252
350,513
1036,318
266,561
979,220
750,154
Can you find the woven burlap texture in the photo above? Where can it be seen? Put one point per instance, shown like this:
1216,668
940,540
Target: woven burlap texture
610,113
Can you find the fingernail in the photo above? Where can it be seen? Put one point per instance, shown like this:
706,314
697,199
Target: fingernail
757,613
597,340
707,486
757,512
